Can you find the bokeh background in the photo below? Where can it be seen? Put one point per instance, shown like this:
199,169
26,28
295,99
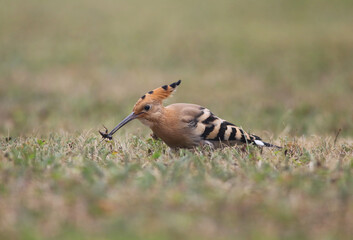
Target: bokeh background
280,68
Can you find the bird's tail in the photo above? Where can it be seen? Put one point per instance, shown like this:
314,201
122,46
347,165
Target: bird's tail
258,142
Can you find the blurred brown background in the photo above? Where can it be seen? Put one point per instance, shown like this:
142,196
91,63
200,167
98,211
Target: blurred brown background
275,67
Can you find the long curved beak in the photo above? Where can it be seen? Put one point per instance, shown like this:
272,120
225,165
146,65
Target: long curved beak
132,116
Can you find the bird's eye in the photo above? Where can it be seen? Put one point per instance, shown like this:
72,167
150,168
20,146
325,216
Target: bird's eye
147,107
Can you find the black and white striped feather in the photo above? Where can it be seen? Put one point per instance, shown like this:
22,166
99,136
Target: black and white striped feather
217,131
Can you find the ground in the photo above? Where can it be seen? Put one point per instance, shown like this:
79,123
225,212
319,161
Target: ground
66,187
281,70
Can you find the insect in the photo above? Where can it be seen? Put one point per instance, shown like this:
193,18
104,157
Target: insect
105,134
184,125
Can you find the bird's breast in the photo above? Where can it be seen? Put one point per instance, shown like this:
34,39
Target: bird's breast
174,132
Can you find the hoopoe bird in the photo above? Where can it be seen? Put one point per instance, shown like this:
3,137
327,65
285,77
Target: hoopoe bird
184,125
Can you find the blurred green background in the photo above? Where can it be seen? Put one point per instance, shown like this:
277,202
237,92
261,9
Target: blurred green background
276,67
280,69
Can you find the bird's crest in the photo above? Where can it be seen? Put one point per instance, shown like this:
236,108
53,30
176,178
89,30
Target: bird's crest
158,94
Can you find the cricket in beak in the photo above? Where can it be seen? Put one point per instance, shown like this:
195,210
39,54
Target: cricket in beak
105,134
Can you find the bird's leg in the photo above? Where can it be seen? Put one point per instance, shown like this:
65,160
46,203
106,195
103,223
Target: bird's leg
206,144
154,136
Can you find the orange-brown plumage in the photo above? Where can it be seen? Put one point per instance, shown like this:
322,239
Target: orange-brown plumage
184,125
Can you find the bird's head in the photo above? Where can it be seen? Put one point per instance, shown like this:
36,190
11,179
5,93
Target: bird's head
148,108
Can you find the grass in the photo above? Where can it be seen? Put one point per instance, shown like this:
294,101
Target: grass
74,187
280,69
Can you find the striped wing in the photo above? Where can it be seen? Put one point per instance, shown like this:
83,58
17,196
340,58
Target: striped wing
214,129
